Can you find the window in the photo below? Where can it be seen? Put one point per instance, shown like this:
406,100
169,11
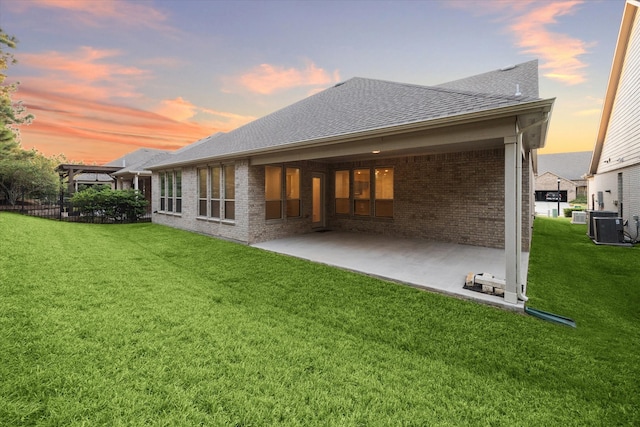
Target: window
202,191
163,194
178,191
171,191
342,192
361,192
229,192
214,193
384,193
282,196
273,192
292,190
366,198
209,192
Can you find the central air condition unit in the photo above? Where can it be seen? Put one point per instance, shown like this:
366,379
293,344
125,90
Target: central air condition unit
609,230
578,217
591,215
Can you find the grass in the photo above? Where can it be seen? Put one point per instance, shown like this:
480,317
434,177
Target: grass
146,325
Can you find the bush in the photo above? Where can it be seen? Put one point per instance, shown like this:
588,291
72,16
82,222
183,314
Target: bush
579,200
112,205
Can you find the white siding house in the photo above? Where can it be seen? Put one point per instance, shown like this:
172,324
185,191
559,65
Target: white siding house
614,173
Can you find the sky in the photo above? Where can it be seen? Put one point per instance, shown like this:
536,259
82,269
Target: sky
104,78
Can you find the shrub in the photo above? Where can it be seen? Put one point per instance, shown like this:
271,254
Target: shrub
112,205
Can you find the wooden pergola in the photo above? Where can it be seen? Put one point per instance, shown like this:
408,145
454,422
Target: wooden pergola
70,170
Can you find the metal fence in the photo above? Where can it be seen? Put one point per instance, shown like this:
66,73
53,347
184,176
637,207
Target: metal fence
66,211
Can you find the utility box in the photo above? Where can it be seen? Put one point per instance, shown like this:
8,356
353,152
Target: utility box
591,215
609,230
578,217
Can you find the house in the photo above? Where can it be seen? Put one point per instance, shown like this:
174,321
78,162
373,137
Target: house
133,173
568,170
451,163
122,173
614,172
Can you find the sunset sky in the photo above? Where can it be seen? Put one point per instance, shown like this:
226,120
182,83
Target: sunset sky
104,78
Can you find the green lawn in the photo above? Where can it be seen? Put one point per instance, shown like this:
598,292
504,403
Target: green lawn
127,325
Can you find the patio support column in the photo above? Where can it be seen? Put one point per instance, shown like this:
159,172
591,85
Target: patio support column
135,182
511,223
71,185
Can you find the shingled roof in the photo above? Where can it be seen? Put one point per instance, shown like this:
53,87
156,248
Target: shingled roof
360,105
571,166
138,160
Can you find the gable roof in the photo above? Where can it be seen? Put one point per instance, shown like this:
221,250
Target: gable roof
626,26
354,107
571,166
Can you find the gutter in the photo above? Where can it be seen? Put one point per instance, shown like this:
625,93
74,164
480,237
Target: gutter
519,133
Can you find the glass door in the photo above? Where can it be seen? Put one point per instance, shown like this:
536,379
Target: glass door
317,210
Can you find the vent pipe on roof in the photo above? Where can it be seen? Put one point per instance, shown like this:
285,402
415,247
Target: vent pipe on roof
518,93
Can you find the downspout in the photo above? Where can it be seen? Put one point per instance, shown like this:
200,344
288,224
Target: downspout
519,133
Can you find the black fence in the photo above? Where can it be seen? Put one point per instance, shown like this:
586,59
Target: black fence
65,212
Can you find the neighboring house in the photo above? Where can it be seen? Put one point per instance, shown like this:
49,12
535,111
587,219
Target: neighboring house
451,163
567,169
614,173
123,173
133,174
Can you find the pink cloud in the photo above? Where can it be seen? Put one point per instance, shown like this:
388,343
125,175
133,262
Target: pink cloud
177,109
182,110
266,78
98,13
95,131
560,53
83,64
89,71
529,22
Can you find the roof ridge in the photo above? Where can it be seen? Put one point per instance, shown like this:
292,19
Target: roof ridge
438,88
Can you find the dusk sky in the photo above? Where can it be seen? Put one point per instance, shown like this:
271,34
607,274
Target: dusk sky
104,78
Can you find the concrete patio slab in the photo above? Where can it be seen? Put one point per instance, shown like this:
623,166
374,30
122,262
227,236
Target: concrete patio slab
435,266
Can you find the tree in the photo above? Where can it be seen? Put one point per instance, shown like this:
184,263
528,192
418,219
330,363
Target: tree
12,113
28,174
23,173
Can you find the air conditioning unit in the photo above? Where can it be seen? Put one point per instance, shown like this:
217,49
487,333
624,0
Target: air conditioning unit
578,217
591,215
609,230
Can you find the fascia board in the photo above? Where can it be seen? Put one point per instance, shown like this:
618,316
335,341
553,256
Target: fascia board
628,17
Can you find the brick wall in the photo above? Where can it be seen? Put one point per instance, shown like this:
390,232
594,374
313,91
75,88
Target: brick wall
188,219
453,197
261,229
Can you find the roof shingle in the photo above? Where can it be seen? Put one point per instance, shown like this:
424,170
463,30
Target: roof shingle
359,105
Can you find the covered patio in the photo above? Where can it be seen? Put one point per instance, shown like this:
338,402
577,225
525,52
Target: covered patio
424,264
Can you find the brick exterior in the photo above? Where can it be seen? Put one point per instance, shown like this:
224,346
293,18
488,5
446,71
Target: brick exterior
453,197
549,182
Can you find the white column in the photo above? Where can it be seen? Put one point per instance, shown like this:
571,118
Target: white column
135,182
511,244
